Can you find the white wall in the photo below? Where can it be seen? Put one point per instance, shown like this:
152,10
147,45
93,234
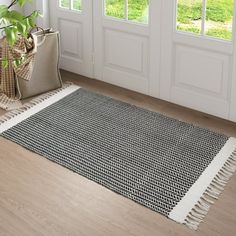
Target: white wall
7,2
42,6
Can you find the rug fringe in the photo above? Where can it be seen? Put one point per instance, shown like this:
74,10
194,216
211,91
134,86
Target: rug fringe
200,210
9,115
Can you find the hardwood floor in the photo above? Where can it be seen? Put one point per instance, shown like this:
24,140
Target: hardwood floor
38,197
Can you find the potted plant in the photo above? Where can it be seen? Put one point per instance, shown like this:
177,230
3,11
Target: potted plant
25,55
15,24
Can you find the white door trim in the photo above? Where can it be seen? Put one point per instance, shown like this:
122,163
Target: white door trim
232,114
155,30
167,17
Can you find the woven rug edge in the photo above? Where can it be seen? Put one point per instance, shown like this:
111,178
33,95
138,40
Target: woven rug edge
195,205
14,117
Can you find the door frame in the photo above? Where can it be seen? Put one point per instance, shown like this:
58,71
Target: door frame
155,10
232,114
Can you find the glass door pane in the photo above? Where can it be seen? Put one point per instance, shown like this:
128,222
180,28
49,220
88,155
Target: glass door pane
71,4
219,18
115,8
208,17
138,10
129,10
65,4
77,5
189,15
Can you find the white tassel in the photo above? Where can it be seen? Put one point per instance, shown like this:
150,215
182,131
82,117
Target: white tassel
192,224
197,214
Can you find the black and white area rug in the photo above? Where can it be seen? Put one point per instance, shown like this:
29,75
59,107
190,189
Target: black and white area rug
169,166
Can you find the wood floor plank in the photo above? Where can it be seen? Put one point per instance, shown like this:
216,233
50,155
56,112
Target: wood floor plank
39,197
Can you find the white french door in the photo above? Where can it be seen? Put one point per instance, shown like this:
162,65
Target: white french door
118,50
182,51
74,20
197,61
127,48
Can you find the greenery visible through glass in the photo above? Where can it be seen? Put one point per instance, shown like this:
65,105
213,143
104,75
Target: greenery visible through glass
189,15
137,9
76,4
65,3
219,17
115,8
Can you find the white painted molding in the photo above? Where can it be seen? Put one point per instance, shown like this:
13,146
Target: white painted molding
155,47
232,114
166,48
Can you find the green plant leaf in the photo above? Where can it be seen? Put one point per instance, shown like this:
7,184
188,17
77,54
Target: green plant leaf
3,10
5,63
15,22
23,2
32,22
27,23
17,62
11,33
15,16
36,14
22,28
